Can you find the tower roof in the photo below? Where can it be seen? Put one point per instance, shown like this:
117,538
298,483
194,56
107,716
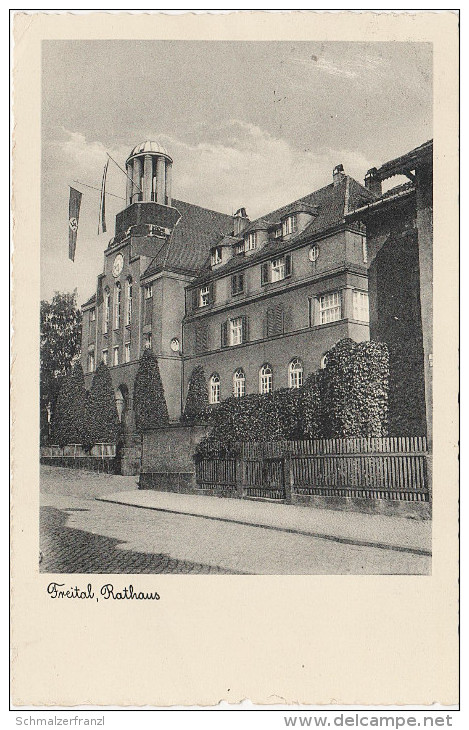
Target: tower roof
149,146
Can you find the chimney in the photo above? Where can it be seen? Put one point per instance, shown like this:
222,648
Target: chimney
373,181
338,174
240,221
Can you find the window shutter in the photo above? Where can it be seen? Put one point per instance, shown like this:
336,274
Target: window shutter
270,320
240,282
195,298
245,332
211,292
148,310
224,334
288,267
201,339
278,320
264,273
233,284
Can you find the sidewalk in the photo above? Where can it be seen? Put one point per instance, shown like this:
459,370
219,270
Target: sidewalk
380,531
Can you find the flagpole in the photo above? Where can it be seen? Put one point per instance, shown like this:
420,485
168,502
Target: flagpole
122,170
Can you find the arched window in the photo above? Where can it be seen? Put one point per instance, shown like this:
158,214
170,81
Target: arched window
117,306
265,379
128,311
323,362
215,388
239,383
107,310
295,373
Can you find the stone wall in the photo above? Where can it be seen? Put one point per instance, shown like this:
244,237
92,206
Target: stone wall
167,463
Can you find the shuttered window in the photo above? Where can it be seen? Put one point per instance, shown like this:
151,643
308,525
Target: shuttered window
237,284
201,338
275,318
265,273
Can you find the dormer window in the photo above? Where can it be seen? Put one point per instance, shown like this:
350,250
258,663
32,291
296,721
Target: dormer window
239,248
289,225
216,256
251,241
278,232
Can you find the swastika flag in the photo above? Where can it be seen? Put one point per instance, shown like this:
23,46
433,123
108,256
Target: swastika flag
73,218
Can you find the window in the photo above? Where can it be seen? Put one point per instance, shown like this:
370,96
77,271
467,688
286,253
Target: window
289,225
274,321
365,250
278,232
204,296
127,352
105,357
116,355
239,247
265,379
360,306
92,315
295,373
147,343
201,337
128,311
117,307
251,241
91,362
107,310
278,269
148,291
239,383
215,388
236,331
323,362
330,309
237,284
216,256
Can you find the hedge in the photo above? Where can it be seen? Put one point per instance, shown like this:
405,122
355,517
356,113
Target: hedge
69,414
150,406
349,397
101,418
197,397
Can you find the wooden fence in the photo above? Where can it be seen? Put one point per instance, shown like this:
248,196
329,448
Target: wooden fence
367,468
101,457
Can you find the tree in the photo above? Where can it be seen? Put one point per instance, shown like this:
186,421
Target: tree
197,396
59,348
149,400
69,415
101,418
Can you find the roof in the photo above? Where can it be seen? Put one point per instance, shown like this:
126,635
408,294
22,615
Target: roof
187,248
332,203
404,163
149,146
90,301
390,196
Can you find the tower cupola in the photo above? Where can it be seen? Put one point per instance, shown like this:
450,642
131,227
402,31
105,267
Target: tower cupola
148,169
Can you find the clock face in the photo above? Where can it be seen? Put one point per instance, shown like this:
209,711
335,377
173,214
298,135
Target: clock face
117,265
174,344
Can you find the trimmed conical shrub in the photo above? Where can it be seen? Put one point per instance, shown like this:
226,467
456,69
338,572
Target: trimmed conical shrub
197,396
69,415
101,418
150,407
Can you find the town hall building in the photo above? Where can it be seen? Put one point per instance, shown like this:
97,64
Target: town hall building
256,303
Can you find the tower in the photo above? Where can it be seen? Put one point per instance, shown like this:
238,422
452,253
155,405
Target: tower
149,168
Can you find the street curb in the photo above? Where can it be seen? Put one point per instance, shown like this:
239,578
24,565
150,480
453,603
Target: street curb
317,535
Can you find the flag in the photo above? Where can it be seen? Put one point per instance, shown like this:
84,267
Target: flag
73,217
102,205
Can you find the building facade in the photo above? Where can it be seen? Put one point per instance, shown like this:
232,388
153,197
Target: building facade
400,281
256,303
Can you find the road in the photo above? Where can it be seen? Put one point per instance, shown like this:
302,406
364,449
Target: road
79,534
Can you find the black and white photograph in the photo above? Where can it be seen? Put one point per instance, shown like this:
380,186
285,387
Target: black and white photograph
236,307
234,372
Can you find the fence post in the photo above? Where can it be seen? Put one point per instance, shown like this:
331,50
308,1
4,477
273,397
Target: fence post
288,477
240,476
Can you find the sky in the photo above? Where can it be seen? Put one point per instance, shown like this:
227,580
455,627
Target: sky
248,124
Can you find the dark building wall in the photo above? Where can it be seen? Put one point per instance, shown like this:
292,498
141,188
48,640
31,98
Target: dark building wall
394,290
